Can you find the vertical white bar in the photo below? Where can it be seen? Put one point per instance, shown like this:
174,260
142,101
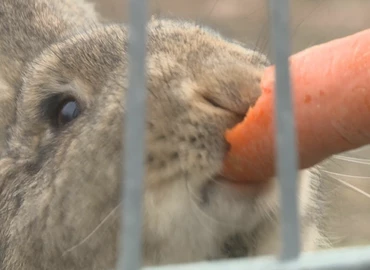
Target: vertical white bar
286,138
130,251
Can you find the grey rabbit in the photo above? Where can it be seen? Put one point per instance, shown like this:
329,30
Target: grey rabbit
63,78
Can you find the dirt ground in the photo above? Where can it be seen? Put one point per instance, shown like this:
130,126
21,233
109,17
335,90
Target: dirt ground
313,22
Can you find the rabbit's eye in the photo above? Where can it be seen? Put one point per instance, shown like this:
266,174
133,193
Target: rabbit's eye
69,111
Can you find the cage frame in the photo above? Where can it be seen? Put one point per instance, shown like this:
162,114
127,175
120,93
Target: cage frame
291,258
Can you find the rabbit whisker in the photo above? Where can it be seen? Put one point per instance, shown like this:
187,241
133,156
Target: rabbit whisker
93,231
193,198
195,206
364,161
350,186
346,175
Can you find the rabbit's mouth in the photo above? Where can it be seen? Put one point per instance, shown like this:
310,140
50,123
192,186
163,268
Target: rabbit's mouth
248,186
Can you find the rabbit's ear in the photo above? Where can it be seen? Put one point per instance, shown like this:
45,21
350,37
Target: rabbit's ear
28,27
7,110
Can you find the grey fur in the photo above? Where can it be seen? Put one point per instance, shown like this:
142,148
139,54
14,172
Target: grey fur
59,200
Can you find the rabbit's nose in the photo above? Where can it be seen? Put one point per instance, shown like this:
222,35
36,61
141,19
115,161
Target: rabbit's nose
220,104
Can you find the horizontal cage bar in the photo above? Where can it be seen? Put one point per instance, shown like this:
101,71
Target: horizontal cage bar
356,258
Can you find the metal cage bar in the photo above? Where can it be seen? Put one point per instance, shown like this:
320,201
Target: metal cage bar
131,238
341,259
134,137
285,133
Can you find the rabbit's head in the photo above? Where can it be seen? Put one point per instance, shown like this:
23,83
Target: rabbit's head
60,173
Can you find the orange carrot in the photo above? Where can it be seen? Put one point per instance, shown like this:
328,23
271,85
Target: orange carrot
331,104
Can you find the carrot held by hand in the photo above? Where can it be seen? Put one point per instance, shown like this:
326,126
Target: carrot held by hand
331,104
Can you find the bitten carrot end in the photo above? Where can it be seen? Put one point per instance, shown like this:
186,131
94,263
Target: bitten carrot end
331,104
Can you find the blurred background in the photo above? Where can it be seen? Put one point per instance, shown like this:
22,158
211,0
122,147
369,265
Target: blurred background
312,22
